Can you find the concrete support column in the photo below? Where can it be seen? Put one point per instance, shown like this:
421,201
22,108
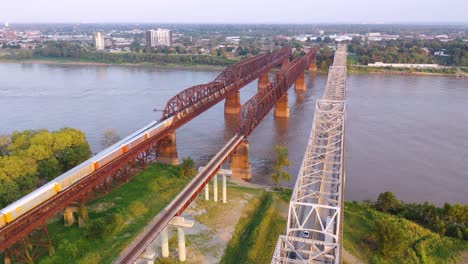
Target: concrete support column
7,260
180,232
224,189
232,104
240,163
167,152
300,84
263,81
68,217
215,188
82,215
282,107
313,64
164,243
207,192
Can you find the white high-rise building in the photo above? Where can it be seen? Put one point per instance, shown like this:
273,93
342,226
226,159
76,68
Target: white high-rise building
159,37
7,24
99,40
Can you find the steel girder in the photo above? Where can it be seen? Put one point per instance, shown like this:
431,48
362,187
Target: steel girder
314,228
193,101
254,110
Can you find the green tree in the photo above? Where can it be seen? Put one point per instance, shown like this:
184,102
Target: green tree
392,239
282,163
188,167
387,202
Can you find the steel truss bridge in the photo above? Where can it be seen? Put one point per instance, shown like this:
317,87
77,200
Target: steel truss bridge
251,114
26,237
314,227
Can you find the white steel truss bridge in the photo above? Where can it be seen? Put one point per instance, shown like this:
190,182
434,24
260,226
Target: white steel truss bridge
314,227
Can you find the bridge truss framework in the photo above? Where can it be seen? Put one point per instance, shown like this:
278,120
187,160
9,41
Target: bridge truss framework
314,227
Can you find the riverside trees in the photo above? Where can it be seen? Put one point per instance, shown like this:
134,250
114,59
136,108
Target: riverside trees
32,157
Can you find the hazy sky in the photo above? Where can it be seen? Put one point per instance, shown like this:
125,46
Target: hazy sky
235,11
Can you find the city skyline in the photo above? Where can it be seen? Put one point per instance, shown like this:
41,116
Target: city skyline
211,11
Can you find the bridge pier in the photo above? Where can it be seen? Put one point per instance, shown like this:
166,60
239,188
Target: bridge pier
282,107
69,218
215,188
313,64
232,104
164,243
300,84
167,151
180,223
224,189
264,81
207,192
240,163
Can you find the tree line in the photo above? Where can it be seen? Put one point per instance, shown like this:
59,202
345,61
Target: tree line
68,50
31,158
455,53
449,220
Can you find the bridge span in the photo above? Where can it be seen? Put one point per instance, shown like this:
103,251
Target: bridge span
118,163
315,219
251,114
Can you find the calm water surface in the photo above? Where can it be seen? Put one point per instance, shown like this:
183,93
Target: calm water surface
406,134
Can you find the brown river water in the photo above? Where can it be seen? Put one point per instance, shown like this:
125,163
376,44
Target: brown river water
406,134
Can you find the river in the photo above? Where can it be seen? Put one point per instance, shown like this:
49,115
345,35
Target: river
406,134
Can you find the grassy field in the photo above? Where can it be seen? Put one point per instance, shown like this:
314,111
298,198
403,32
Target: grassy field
116,218
257,232
424,246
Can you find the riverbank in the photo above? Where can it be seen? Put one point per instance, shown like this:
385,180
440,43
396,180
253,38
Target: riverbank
354,69
105,64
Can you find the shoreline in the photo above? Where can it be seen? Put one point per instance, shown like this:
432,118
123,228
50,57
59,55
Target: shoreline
351,69
105,64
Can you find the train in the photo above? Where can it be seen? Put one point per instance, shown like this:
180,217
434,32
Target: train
64,181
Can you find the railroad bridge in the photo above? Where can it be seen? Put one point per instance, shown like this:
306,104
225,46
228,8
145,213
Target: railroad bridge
23,229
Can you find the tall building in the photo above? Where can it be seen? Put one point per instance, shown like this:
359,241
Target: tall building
99,40
159,37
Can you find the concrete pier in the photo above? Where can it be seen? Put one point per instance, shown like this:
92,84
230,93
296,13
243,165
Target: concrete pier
181,240
264,81
240,163
207,192
164,243
300,84
224,189
69,217
282,107
232,104
215,188
313,65
167,151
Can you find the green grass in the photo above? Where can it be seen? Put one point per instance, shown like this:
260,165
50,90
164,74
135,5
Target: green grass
424,246
364,69
257,232
133,204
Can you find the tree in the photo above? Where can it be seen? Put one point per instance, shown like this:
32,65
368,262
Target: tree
110,137
387,202
188,167
391,237
282,162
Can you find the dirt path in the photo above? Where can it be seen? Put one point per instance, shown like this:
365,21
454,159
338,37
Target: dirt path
348,258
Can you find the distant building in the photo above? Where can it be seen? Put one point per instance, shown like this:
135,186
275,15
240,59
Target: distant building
99,40
402,65
159,37
7,24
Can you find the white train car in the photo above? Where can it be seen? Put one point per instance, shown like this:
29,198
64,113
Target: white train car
28,202
47,191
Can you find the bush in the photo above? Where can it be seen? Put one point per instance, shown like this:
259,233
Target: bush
387,202
96,230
